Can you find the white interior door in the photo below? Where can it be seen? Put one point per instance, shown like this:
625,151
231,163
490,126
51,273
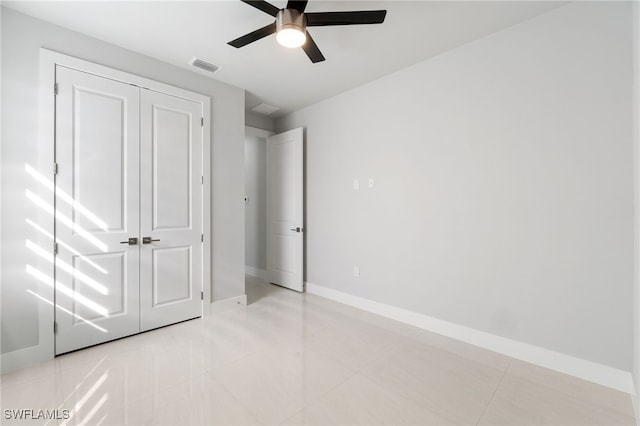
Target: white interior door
97,208
285,214
171,209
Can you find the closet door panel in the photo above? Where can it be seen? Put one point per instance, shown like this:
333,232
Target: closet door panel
171,170
97,207
171,206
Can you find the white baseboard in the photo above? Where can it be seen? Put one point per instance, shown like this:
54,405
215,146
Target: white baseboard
257,272
587,370
635,399
22,358
230,303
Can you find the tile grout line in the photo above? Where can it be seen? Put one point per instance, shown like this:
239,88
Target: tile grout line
494,392
306,404
226,389
323,395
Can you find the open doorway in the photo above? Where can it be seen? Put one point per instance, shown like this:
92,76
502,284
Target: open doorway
274,207
255,200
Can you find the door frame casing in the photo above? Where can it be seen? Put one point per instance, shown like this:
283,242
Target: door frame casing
250,131
49,59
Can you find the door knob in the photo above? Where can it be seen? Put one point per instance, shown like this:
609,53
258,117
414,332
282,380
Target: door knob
296,229
147,240
131,241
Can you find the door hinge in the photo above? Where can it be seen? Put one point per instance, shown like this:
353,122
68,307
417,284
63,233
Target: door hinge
202,121
55,248
55,327
202,295
202,238
55,88
202,179
55,168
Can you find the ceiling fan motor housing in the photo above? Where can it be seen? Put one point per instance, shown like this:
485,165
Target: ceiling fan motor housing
291,19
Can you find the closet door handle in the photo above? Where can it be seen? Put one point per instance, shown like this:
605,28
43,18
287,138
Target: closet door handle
131,241
147,240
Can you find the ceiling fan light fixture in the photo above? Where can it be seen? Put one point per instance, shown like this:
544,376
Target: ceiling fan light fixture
290,26
292,22
291,37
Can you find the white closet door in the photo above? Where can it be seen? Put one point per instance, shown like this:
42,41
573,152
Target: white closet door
171,209
97,208
285,209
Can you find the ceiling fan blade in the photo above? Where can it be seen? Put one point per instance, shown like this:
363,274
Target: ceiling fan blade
318,19
253,36
300,6
263,6
311,49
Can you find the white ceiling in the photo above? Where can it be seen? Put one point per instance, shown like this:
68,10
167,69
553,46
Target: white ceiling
175,31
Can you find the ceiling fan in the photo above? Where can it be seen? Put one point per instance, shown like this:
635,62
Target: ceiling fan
291,25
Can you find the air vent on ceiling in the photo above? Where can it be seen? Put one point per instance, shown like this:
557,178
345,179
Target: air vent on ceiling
265,109
204,65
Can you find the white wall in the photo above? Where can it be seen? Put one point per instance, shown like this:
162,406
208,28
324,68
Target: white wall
22,38
255,181
636,192
259,121
503,185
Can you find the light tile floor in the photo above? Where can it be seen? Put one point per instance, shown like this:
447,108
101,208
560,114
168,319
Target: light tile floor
298,359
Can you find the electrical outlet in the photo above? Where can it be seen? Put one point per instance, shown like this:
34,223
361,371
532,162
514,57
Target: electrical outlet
356,184
356,271
371,182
